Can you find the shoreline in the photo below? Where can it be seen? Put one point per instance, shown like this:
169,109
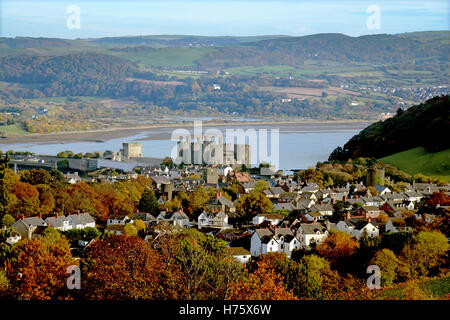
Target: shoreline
123,132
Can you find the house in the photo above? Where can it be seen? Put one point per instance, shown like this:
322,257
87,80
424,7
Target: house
395,225
356,226
13,239
59,223
311,233
308,196
144,216
382,190
227,205
283,206
368,212
213,220
273,218
323,208
81,220
249,186
304,204
279,240
119,219
72,178
372,201
180,219
239,254
276,192
115,229
413,196
27,227
314,216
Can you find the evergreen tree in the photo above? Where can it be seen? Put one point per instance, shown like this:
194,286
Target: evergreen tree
148,202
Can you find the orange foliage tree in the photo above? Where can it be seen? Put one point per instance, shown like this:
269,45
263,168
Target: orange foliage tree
39,271
121,267
337,246
263,284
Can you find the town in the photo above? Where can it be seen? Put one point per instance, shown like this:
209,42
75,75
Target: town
253,212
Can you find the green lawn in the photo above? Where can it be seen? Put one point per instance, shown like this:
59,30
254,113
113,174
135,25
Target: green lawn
435,165
13,129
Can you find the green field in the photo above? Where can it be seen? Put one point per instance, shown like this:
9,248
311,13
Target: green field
13,129
435,165
436,288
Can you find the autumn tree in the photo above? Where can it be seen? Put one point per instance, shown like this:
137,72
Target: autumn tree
4,165
263,284
388,263
39,269
260,186
24,200
337,247
122,267
251,204
198,267
426,252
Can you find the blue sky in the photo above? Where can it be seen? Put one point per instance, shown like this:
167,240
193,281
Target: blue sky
100,18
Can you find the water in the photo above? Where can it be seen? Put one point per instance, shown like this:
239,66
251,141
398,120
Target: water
300,146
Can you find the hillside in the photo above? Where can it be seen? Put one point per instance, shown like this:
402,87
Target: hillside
432,164
322,76
426,125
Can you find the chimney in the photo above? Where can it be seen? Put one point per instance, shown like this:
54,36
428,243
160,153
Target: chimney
344,198
21,217
368,219
40,215
332,201
356,196
348,216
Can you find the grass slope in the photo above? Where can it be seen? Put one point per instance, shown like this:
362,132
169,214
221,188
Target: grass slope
417,160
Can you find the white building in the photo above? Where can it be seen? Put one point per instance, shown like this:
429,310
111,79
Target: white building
309,233
279,240
356,226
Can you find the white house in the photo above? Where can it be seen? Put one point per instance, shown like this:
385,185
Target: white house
279,240
273,218
314,216
310,233
382,190
213,220
119,219
81,220
116,229
180,219
414,196
27,226
239,254
356,226
59,222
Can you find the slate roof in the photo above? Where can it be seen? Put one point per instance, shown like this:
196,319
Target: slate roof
312,228
56,222
82,218
34,221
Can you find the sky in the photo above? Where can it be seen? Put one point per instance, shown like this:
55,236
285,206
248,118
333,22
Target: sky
101,18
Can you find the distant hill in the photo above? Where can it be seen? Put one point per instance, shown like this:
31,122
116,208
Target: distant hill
426,125
294,51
